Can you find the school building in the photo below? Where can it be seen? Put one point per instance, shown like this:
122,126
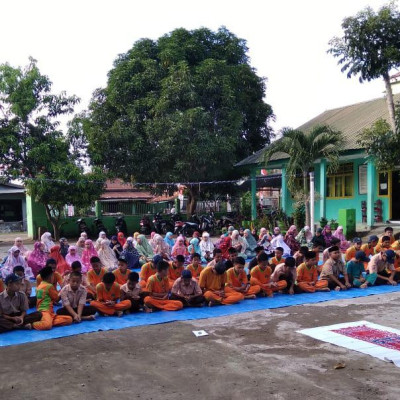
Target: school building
357,184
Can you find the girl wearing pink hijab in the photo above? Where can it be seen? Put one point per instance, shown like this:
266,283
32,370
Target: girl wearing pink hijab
72,255
37,258
88,252
179,248
344,244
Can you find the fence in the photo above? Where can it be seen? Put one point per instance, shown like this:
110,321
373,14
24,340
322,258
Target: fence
132,207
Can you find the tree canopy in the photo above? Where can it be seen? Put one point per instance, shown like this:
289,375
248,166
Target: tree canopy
34,149
370,47
185,107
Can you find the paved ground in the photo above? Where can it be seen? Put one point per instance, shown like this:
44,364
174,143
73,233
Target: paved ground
255,355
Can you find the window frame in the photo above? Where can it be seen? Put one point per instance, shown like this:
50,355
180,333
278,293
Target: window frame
342,174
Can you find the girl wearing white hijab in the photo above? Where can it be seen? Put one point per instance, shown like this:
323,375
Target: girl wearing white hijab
107,256
206,247
46,240
102,236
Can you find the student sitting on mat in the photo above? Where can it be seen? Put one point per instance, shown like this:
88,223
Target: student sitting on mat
25,286
325,254
277,259
333,268
355,268
237,280
285,272
261,276
73,297
56,278
351,251
122,272
383,244
212,281
94,276
14,305
175,269
158,288
217,253
76,266
187,290
47,295
232,253
149,269
381,269
307,275
131,291
108,293
195,267
253,263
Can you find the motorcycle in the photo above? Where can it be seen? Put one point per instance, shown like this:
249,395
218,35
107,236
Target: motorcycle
186,228
145,225
82,227
100,227
120,226
208,223
162,225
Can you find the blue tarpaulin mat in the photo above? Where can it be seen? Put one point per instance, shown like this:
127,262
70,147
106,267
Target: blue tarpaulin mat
140,319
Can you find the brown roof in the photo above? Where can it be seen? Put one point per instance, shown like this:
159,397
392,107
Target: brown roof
119,190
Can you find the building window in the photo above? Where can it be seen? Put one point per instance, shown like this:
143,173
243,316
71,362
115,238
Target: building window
383,188
340,183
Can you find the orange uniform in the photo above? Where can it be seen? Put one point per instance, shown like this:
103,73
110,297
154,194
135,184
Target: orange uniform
147,270
57,279
392,239
307,279
195,271
121,278
94,279
240,279
262,278
350,253
46,294
211,282
379,248
103,295
275,261
174,273
155,284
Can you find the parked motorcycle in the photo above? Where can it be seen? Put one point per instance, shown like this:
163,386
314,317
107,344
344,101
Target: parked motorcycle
82,227
120,226
186,228
162,225
208,223
100,227
145,225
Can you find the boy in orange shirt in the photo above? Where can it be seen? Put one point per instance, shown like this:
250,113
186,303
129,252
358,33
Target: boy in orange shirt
46,295
277,259
122,272
108,293
237,280
261,276
195,267
175,269
369,248
351,251
149,269
56,277
307,275
94,276
158,287
383,244
212,281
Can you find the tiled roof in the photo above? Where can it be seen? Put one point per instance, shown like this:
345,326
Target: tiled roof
350,120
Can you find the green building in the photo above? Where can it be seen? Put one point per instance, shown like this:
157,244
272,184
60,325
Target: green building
374,195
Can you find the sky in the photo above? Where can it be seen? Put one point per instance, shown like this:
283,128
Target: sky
76,42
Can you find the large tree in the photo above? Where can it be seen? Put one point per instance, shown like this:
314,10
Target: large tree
304,149
32,146
370,47
184,108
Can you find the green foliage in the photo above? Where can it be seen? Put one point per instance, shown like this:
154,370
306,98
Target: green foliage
245,208
381,144
186,107
33,149
370,46
299,216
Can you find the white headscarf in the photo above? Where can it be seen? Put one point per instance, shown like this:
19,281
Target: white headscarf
46,240
107,256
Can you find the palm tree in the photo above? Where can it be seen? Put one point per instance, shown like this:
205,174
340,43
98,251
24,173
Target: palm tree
303,150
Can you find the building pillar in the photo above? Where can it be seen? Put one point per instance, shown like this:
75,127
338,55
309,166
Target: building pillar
322,188
97,209
253,195
370,193
284,191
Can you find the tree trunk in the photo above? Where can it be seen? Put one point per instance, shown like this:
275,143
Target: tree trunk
192,201
55,222
390,102
306,200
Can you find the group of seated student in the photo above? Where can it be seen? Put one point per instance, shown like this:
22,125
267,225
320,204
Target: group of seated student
169,285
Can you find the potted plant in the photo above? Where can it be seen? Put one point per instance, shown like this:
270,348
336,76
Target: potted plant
334,224
323,221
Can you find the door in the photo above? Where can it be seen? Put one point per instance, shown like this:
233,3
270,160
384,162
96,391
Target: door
396,195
